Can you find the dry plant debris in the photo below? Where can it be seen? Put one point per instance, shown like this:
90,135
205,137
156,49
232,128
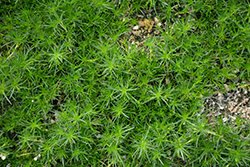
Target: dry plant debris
229,105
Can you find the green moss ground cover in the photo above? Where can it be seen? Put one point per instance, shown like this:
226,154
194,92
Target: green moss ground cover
72,95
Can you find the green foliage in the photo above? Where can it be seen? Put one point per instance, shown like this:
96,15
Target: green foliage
73,94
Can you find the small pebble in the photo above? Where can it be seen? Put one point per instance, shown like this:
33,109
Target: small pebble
225,119
135,27
3,157
221,107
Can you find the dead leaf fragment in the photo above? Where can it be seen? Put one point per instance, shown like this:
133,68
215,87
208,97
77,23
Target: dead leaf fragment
141,23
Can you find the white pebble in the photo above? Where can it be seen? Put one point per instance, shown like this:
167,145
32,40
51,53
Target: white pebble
36,158
225,119
135,27
221,107
156,20
3,157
